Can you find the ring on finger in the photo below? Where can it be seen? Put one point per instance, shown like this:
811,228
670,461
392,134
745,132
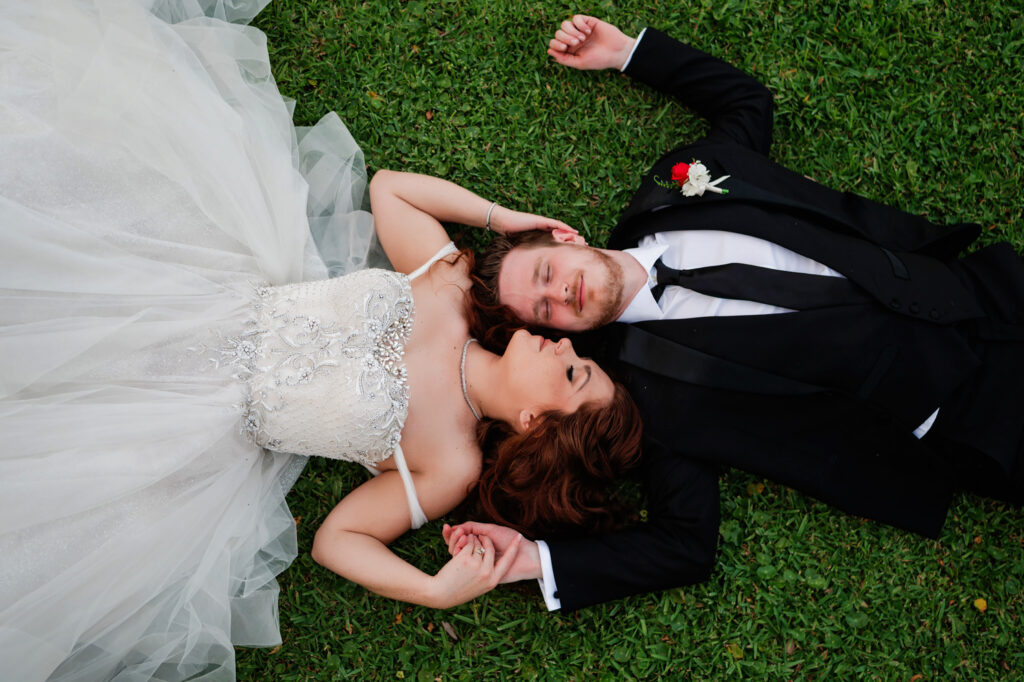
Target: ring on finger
480,550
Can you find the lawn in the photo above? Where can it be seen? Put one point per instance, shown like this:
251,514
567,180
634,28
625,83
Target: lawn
917,103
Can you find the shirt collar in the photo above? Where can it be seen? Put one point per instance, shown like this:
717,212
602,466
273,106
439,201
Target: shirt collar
643,306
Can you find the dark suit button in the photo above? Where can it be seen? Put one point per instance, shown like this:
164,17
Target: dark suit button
934,314
915,308
894,304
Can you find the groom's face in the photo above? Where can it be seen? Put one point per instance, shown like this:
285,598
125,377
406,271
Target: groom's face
562,286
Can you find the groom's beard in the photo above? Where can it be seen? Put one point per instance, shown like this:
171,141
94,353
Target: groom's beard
613,287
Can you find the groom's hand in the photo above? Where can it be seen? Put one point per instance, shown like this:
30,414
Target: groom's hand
587,43
525,565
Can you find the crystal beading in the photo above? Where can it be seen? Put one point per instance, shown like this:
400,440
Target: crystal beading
324,365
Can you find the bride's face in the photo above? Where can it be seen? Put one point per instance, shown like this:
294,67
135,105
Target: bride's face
544,375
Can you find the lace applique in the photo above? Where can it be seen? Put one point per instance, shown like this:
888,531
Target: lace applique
324,366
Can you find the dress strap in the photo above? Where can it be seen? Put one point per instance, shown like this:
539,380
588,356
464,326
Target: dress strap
415,510
446,250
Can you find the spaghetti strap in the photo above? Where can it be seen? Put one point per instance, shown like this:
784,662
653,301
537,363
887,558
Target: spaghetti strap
415,510
416,514
446,250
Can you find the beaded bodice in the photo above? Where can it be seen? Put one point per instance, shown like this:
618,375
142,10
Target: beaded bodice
323,363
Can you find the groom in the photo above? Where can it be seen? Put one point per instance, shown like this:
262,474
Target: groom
817,338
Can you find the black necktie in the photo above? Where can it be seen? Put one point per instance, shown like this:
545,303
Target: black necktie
793,290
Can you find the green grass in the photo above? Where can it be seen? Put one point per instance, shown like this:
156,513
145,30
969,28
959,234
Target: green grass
918,103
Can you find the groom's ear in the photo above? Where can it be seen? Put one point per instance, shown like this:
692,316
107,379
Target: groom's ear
564,236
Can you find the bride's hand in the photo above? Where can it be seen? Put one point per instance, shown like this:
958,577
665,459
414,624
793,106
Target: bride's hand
506,221
472,572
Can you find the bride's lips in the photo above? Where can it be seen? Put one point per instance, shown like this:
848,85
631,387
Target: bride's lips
579,294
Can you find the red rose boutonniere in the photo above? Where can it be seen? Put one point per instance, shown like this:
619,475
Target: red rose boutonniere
693,179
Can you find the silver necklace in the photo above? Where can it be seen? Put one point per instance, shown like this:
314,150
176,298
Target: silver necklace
462,375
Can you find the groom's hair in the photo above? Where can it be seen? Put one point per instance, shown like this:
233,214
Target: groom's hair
491,322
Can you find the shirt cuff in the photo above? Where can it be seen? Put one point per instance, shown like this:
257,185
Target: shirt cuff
547,580
635,45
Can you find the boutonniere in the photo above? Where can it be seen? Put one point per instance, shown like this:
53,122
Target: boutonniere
692,179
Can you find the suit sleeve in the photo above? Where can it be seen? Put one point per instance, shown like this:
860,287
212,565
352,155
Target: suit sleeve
738,108
676,546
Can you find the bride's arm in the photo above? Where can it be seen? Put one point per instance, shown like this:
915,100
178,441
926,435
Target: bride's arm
408,210
353,541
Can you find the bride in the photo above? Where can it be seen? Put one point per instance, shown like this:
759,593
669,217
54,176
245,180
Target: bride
165,314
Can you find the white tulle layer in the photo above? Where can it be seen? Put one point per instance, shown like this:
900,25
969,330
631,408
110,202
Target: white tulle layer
150,175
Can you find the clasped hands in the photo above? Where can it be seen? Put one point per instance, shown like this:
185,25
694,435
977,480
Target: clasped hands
483,556
507,557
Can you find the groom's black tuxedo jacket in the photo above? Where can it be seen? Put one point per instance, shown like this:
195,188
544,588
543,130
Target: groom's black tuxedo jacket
883,365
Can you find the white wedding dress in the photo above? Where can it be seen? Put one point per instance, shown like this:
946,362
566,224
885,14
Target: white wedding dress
154,196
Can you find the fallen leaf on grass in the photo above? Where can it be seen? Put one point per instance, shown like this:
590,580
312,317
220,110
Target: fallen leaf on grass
857,619
981,605
734,650
449,630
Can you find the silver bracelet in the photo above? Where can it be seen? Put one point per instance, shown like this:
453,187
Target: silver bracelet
487,223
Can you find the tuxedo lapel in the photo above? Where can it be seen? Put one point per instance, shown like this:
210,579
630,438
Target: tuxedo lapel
723,208
679,362
741,191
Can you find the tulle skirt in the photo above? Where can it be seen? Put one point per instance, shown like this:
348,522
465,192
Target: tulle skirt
149,177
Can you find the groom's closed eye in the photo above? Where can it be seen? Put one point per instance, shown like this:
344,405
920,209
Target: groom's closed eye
541,279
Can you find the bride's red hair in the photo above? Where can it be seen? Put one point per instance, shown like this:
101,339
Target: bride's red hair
557,477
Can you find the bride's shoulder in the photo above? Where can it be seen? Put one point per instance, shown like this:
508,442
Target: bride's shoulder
454,268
